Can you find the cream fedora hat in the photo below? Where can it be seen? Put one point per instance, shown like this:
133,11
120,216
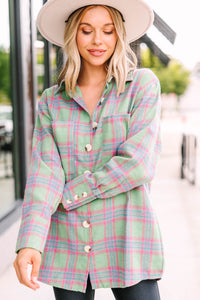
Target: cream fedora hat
138,17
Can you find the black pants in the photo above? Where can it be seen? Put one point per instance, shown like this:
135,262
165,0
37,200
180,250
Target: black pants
144,290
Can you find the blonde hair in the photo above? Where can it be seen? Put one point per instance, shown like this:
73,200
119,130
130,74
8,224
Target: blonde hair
121,62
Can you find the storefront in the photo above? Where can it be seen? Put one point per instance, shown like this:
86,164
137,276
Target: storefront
27,67
7,180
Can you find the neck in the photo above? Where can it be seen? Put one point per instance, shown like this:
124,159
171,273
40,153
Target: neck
92,75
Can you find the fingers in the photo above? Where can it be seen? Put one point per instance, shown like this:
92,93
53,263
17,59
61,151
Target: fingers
35,270
17,272
24,258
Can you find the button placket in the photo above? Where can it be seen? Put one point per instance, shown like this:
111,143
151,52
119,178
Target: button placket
86,224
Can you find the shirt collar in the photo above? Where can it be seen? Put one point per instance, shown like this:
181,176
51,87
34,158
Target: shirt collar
129,77
61,86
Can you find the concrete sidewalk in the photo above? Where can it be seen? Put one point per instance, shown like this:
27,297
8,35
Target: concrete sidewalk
177,205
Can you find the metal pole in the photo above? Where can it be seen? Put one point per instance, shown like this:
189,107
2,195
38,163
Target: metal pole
17,95
23,88
33,82
47,62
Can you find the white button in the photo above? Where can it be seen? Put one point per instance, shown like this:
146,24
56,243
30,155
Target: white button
87,248
69,201
76,197
84,194
88,147
102,99
94,125
87,172
86,224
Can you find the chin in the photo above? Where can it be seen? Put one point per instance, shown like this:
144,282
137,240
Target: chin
97,63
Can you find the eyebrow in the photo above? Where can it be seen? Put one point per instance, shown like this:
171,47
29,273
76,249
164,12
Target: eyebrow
107,24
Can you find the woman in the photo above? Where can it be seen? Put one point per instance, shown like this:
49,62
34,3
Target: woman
87,219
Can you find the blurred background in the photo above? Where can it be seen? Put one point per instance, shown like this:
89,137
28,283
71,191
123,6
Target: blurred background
28,65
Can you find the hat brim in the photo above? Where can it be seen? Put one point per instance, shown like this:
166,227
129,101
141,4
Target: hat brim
51,19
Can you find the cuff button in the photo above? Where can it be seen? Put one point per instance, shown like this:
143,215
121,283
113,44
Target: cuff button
87,172
76,197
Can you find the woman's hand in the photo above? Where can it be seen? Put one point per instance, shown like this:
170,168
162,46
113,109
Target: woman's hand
25,257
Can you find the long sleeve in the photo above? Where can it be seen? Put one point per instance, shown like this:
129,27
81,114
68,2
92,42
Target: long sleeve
44,186
135,160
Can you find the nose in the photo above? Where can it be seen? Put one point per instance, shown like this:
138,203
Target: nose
97,38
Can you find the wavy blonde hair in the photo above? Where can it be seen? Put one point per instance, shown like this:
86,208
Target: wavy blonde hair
121,62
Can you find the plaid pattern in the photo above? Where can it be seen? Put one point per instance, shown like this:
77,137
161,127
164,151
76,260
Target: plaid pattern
100,173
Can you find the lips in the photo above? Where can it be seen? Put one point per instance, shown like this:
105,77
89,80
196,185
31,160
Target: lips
96,52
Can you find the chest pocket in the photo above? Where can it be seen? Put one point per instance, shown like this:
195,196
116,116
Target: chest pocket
63,132
114,133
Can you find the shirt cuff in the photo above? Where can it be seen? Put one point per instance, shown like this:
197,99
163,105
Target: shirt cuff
33,233
79,191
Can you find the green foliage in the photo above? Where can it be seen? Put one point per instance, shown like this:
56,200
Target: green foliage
40,83
40,64
40,57
4,76
173,79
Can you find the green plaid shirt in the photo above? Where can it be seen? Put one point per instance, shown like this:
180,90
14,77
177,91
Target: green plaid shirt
87,199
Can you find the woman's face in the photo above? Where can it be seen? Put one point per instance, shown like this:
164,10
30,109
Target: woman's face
96,37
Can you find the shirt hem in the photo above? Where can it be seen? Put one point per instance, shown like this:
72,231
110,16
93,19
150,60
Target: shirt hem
100,285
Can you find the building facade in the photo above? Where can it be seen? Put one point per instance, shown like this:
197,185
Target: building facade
27,67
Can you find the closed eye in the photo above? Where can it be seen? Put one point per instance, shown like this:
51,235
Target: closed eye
86,32
108,32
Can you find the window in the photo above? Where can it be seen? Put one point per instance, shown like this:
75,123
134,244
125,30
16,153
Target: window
7,199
